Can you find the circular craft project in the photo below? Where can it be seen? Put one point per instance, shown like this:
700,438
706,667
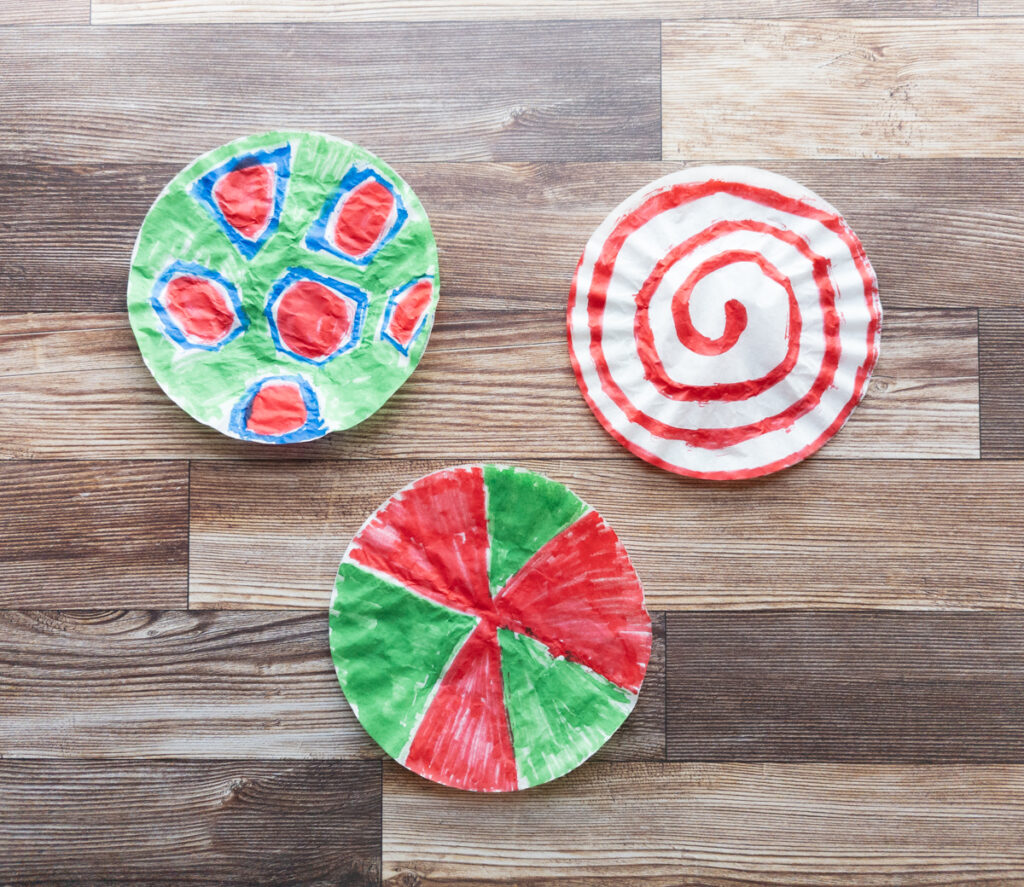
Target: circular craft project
723,322
488,628
283,286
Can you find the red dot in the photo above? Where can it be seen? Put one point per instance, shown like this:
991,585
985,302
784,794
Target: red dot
313,320
246,197
200,308
276,409
363,218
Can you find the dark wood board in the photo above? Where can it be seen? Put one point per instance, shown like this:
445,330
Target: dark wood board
190,822
94,534
439,91
1001,363
884,687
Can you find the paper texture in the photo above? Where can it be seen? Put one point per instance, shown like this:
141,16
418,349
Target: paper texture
283,286
723,322
488,628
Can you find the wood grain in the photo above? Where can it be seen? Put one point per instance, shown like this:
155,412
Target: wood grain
91,534
45,12
840,674
155,11
864,687
526,91
927,387
843,88
492,385
175,822
714,824
1001,358
207,685
135,683
918,535
1000,7
940,233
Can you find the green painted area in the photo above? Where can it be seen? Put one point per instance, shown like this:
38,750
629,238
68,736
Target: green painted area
560,713
207,384
524,511
390,648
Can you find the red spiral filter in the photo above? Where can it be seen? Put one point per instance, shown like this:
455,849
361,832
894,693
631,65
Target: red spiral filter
723,322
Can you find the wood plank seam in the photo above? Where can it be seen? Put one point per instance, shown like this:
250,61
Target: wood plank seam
981,386
188,548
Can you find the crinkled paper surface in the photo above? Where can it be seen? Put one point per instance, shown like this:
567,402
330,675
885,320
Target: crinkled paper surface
723,322
283,286
488,628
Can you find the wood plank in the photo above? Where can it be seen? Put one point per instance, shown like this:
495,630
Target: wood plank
175,822
1002,384
928,387
861,687
158,11
192,11
209,685
824,534
492,385
714,824
93,534
584,91
45,12
135,683
843,88
1000,7
940,234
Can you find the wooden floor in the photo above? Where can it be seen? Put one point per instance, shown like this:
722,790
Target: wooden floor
837,688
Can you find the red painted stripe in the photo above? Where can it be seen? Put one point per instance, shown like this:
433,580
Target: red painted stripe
363,218
580,597
246,198
432,538
200,308
736,317
464,738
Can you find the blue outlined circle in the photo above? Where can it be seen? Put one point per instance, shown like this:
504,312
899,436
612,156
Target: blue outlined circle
172,329
318,239
202,190
392,304
347,291
312,428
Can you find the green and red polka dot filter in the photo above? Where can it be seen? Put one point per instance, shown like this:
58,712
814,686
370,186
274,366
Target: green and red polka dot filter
283,286
488,628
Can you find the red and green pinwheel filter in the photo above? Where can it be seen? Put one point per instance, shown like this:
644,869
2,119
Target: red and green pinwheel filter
488,628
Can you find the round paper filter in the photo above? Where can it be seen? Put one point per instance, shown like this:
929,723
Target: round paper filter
488,628
723,322
283,286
